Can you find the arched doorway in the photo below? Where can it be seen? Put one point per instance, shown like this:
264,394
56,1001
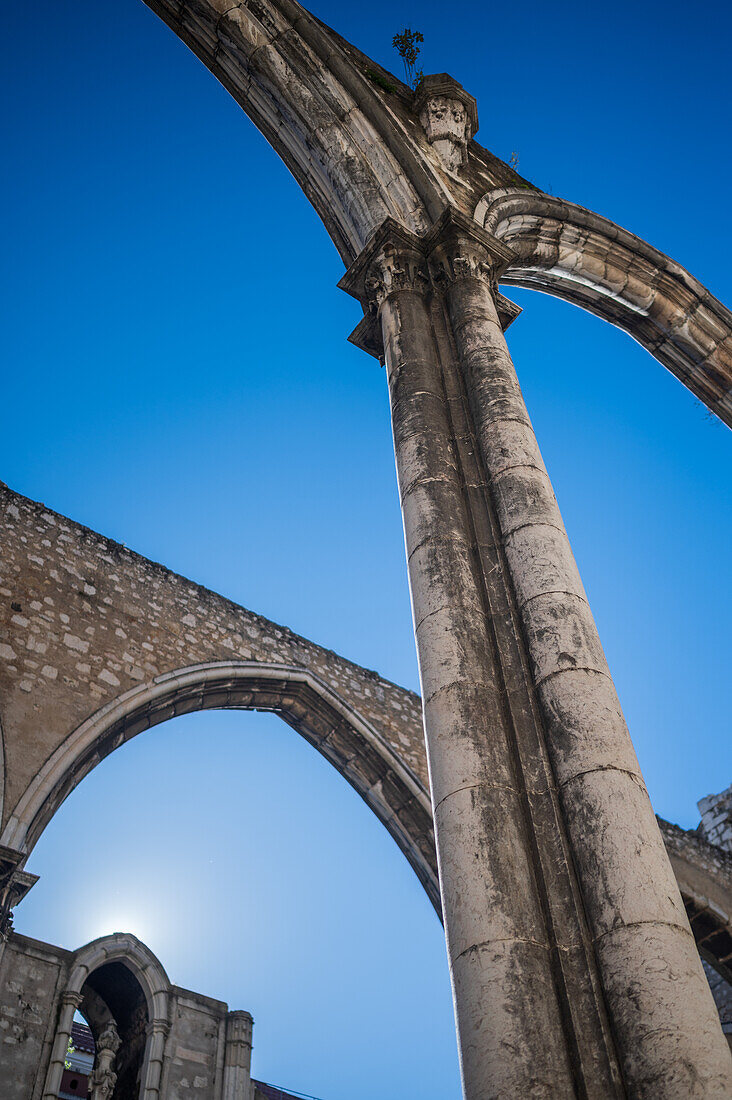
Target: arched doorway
122,990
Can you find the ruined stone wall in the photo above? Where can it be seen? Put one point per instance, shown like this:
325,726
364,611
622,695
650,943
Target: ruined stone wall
83,620
704,874
31,977
194,1060
716,818
722,993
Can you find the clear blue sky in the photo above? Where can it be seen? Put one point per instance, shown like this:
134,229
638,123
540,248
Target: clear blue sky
177,377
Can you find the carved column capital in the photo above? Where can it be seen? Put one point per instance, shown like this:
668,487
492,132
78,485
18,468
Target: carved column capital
72,999
239,1027
458,248
395,260
14,885
392,260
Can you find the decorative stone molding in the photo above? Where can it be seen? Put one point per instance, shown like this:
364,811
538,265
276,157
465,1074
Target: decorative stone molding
239,1025
449,116
456,251
238,1056
394,268
393,260
460,249
157,1027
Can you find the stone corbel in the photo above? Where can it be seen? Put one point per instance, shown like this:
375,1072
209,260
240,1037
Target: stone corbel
14,885
449,116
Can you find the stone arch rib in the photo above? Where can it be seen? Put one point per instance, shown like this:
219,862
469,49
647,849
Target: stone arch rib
299,697
307,92
128,949
569,252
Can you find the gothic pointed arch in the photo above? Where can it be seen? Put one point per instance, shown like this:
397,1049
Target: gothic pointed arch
318,102
355,138
129,991
301,698
572,253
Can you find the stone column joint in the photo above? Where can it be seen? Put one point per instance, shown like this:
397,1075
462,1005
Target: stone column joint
158,1027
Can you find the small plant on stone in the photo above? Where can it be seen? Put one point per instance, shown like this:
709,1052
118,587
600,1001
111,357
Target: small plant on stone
406,46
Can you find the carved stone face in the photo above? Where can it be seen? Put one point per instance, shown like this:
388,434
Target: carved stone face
444,118
446,126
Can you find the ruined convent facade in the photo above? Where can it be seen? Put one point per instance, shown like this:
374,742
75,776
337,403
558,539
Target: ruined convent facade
589,944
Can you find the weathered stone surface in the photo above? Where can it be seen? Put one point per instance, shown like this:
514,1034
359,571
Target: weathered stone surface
722,993
351,134
565,250
501,620
193,1046
132,644
162,602
505,875
716,818
554,877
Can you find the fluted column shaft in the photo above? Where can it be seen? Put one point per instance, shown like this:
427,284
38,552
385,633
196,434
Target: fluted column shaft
70,1002
157,1035
238,1057
663,1015
573,967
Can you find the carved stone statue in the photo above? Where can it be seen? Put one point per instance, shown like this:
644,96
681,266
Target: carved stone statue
103,1078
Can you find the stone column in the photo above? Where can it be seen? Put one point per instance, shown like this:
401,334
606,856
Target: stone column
70,1002
157,1034
662,1012
549,869
238,1057
498,947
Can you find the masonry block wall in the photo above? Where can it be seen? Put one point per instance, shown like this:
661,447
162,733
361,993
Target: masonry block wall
33,976
84,620
716,818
